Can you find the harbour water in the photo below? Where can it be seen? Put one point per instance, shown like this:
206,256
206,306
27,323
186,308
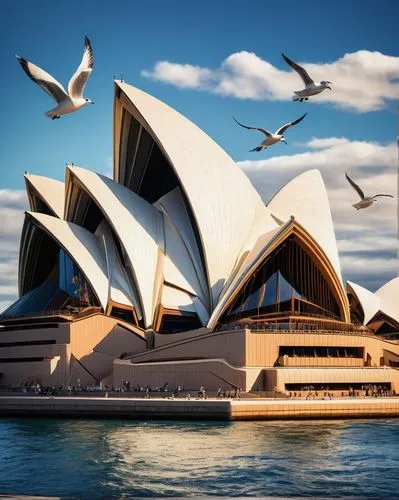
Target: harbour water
126,458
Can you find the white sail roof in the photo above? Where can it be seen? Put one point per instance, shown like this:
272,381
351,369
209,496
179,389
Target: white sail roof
389,296
178,266
306,198
222,199
172,205
82,246
139,228
49,190
173,298
369,301
119,288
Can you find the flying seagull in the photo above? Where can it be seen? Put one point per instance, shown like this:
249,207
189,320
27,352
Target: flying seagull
311,88
271,138
67,102
365,201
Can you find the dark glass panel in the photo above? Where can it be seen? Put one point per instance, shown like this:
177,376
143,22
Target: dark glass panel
35,301
253,300
140,163
123,314
271,291
321,352
159,177
134,130
87,214
175,324
41,260
41,206
92,217
285,289
386,328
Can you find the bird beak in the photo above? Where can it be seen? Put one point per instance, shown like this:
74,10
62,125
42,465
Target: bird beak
92,102
285,142
329,87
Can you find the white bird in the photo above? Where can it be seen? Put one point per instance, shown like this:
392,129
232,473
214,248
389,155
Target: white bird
311,88
271,138
66,102
365,201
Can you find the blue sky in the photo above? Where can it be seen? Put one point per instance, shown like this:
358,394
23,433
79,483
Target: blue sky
129,37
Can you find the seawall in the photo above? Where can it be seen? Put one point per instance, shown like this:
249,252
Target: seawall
198,409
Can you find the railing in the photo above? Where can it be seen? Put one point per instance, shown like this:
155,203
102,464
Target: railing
74,313
282,328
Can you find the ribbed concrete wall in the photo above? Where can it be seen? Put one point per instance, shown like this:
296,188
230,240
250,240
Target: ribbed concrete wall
210,409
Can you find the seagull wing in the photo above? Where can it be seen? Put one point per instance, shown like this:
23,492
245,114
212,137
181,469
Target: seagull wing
78,81
389,195
49,84
264,131
355,186
301,71
282,129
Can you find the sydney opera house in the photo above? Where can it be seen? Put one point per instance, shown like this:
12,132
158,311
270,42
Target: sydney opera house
176,271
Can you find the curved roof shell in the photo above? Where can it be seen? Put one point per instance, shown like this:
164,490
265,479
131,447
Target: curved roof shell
389,296
153,246
174,208
137,225
305,197
178,267
264,247
81,245
368,300
50,191
119,290
222,199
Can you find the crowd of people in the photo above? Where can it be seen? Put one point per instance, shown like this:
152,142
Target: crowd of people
308,392
364,391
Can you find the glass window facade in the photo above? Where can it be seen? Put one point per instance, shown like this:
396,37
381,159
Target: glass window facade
52,281
287,282
321,352
72,281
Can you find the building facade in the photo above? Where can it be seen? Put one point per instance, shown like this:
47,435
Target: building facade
176,271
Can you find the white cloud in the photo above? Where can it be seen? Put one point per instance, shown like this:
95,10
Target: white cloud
368,244
182,75
13,203
367,239
4,304
108,170
332,156
370,271
362,81
341,156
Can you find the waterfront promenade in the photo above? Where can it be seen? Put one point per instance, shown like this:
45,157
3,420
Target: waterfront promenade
198,409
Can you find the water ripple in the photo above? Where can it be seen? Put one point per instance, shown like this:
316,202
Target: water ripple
121,459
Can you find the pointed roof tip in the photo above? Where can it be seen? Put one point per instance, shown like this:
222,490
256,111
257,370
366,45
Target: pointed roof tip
306,196
313,172
391,284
